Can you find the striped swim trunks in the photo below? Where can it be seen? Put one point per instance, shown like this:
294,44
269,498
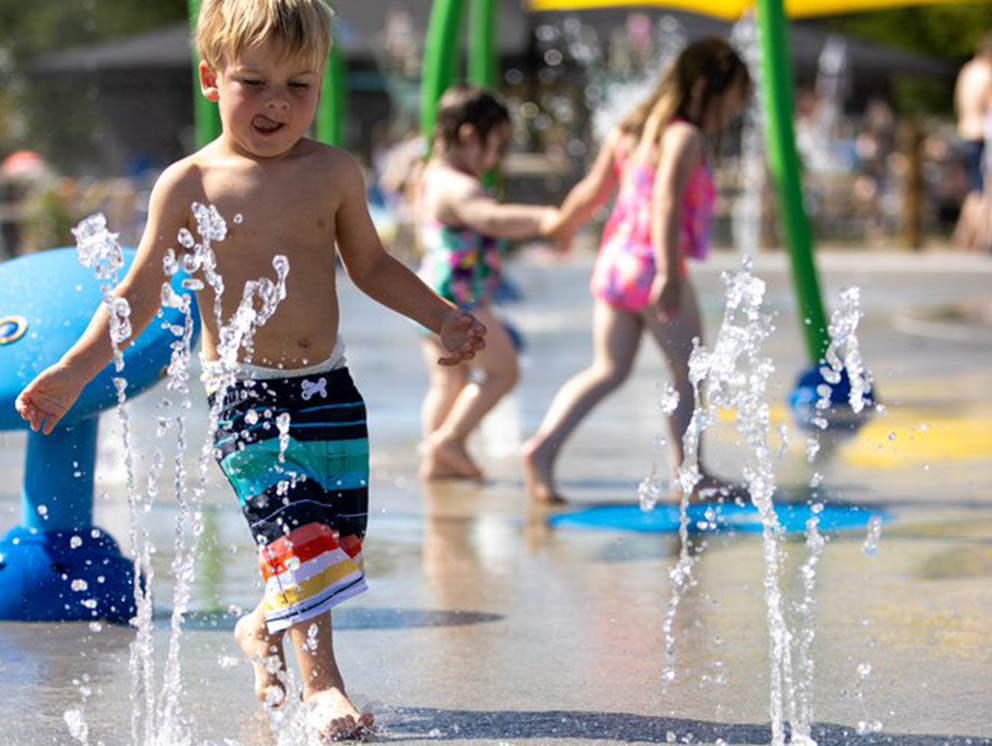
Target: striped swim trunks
296,452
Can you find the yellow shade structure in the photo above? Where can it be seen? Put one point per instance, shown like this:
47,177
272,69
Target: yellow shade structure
731,10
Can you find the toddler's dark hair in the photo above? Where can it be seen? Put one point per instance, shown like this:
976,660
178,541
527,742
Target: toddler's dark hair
466,104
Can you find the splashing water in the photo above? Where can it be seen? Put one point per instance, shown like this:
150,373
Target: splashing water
844,352
157,719
874,534
734,375
746,215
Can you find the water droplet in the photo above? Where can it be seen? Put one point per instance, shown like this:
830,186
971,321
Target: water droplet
75,542
79,585
96,627
42,511
892,436
239,219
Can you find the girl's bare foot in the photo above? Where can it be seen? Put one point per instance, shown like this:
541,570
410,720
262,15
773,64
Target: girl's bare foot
265,652
537,475
333,717
711,488
448,459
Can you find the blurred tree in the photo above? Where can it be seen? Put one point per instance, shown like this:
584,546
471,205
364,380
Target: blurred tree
58,117
950,31
30,28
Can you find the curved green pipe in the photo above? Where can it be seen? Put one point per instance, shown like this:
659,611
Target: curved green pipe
440,60
482,60
333,100
206,118
784,164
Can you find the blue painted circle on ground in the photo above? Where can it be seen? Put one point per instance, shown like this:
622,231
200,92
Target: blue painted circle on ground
712,517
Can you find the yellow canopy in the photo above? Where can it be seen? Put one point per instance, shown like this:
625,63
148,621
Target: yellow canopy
733,9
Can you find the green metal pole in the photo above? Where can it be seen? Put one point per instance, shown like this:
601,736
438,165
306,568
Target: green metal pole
784,163
206,118
440,60
482,61
333,100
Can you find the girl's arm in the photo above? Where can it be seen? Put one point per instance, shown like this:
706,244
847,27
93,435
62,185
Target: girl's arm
465,201
45,400
385,279
681,152
594,189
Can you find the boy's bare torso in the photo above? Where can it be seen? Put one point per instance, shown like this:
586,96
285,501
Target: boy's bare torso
287,206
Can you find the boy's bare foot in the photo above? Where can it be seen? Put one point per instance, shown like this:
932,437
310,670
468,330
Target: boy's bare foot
265,652
333,717
447,459
537,476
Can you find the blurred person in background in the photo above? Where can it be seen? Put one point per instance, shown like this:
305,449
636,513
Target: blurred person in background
973,104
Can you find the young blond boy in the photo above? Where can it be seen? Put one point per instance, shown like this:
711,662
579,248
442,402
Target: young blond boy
262,64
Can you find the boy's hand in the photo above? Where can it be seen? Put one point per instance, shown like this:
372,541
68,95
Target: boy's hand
45,400
461,335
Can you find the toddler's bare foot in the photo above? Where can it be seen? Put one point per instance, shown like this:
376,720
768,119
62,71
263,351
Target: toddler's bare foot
265,652
447,459
537,475
333,717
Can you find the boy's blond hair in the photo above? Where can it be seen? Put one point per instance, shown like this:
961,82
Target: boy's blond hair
227,27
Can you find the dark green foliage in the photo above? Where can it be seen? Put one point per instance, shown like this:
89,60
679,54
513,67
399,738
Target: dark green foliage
951,31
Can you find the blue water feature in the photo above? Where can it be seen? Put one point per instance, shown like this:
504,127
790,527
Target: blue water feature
727,518
839,415
56,565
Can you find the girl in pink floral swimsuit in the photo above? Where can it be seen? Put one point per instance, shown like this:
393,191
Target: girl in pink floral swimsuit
654,162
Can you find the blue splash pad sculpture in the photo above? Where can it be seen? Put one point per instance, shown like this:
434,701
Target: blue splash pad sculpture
839,414
708,518
46,301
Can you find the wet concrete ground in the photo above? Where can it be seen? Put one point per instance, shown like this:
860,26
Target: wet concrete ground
485,626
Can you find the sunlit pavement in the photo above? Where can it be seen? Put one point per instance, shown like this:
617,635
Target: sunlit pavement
483,625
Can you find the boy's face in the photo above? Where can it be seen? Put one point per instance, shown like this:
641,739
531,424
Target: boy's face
267,99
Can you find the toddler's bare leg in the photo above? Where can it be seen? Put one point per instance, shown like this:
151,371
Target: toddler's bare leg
446,453
332,715
265,652
447,382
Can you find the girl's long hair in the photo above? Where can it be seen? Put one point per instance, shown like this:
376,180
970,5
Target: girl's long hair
711,60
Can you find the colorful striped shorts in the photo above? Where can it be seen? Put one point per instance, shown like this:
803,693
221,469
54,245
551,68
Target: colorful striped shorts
302,485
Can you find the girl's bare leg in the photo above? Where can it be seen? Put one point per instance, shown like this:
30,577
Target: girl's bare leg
674,337
616,335
332,714
446,455
265,651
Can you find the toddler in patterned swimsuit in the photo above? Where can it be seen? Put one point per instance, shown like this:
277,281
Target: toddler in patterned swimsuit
655,163
302,488
461,230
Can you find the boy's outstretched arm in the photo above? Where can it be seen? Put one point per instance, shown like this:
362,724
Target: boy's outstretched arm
46,399
385,279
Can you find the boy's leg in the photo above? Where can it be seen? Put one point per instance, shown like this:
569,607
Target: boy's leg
332,714
446,454
265,651
616,336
